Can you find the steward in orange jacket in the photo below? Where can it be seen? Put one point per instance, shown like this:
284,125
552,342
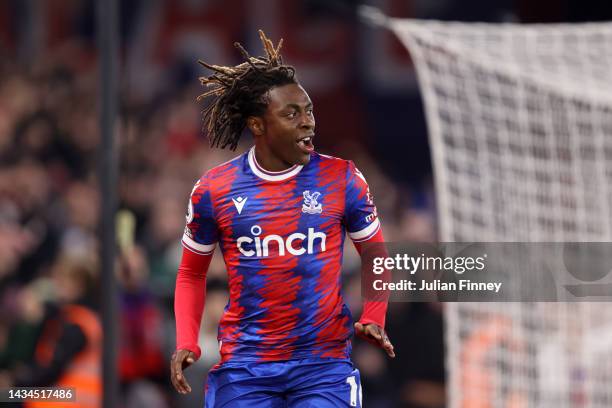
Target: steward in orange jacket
69,350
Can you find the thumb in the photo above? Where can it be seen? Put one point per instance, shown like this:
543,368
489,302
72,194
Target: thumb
359,327
190,360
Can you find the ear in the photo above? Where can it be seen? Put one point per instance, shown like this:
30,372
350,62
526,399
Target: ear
256,125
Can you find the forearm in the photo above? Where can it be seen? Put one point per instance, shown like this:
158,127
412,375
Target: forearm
189,299
374,304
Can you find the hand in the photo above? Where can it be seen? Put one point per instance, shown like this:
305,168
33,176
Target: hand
374,334
181,359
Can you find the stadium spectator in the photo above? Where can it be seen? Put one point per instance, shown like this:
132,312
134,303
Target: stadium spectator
68,349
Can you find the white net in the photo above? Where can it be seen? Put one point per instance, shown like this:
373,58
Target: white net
520,124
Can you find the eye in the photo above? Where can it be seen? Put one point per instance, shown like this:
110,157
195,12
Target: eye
309,111
291,114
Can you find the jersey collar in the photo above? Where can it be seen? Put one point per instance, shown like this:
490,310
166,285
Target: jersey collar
271,175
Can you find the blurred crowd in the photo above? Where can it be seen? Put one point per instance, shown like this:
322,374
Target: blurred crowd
49,221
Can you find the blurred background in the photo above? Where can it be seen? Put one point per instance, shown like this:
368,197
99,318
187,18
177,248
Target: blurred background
368,109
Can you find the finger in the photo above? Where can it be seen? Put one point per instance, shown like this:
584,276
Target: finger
177,374
180,388
177,369
182,381
174,381
374,331
182,385
387,346
382,343
173,372
389,349
185,385
359,327
189,360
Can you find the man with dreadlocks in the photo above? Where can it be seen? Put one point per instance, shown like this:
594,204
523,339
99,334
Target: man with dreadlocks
279,213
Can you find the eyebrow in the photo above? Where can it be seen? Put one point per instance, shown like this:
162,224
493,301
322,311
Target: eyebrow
297,106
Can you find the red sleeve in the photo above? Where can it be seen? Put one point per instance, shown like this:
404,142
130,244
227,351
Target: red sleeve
374,311
189,297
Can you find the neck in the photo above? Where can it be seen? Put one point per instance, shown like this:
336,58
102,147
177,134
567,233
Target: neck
266,160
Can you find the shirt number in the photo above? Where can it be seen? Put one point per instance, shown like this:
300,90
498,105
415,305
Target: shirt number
354,389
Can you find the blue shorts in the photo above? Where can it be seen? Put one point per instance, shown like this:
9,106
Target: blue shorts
317,383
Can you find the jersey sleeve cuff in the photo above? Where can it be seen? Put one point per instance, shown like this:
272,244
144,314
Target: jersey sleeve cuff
200,249
366,233
374,312
368,320
194,348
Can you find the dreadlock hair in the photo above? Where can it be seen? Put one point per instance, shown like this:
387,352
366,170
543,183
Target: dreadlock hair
241,91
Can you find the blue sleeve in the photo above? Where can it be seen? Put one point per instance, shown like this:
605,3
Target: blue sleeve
201,230
360,216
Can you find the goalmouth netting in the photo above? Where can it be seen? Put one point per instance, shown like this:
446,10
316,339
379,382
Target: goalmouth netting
520,126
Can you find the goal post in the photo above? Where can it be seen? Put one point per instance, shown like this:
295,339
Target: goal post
520,128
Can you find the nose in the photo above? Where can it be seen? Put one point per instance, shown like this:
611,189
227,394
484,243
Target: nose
307,121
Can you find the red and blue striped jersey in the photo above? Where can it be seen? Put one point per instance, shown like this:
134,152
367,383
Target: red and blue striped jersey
282,236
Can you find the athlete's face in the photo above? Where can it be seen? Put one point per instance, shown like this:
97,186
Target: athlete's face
284,134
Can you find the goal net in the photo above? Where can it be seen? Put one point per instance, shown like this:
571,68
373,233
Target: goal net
520,125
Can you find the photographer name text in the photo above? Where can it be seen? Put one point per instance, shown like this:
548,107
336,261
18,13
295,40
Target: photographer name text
436,285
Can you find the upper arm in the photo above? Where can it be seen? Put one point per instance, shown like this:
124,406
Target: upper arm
360,216
200,234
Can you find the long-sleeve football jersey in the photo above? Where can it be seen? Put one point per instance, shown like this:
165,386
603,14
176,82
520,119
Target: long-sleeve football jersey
282,236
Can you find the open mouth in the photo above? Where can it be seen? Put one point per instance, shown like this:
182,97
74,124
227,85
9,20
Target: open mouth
306,144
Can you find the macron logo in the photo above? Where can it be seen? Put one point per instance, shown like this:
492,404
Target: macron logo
239,203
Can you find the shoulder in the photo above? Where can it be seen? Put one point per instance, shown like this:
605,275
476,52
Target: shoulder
331,161
340,168
220,174
229,166
347,166
327,158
